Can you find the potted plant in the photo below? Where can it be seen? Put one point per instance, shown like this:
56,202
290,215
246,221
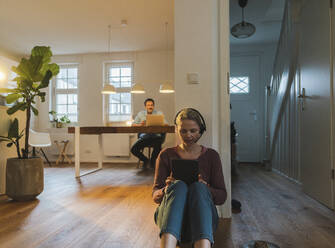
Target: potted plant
33,75
59,122
13,137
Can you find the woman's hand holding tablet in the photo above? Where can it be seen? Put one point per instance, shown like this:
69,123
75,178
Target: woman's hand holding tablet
185,170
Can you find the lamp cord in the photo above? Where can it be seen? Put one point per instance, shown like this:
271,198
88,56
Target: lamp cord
109,38
167,47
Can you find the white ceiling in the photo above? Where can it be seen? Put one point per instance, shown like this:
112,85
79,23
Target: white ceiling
81,26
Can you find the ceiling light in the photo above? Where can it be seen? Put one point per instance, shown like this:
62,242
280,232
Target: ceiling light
108,89
243,29
167,86
2,76
137,89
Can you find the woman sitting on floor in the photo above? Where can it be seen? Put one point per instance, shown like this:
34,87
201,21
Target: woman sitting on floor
187,213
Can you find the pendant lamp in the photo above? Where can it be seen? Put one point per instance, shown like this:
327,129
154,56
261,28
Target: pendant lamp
243,29
108,88
167,86
137,88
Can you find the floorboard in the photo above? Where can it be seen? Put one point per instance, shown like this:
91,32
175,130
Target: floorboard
113,208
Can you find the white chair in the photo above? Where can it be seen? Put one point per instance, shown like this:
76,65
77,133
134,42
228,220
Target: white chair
39,140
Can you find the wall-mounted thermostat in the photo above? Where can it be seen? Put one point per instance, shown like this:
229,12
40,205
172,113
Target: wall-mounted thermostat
193,78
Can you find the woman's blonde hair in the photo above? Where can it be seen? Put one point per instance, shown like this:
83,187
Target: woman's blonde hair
191,114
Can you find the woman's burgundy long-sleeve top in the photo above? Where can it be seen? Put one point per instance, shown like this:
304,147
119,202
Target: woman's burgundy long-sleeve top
209,167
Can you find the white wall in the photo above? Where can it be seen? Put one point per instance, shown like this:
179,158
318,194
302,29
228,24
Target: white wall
266,53
150,70
202,46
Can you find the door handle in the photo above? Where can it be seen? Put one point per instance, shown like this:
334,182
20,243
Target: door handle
303,94
254,113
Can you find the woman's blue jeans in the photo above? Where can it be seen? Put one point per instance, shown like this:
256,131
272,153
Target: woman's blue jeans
187,212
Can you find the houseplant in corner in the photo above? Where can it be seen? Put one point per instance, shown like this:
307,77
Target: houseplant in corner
24,174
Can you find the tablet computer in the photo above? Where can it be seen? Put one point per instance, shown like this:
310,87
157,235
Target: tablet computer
185,170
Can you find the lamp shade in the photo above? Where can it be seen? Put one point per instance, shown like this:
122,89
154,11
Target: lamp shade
137,89
243,30
166,88
108,89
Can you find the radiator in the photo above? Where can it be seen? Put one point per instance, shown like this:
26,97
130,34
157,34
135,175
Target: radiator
116,144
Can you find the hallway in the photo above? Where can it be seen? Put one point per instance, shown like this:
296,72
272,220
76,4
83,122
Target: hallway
275,209
113,208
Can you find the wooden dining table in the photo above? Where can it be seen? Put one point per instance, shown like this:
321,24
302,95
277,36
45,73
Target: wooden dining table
99,130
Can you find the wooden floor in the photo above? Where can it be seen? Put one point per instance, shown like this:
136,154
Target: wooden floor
113,208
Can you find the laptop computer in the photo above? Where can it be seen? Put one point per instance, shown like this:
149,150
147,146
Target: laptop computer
154,120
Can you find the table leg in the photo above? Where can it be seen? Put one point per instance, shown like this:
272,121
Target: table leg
101,153
60,152
77,151
64,152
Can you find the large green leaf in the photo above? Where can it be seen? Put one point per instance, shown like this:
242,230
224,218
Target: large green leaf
16,107
42,96
26,84
45,82
36,64
13,97
5,90
35,111
23,69
13,131
54,68
29,69
42,51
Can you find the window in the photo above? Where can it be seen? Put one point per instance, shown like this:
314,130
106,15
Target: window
65,100
239,85
10,84
120,75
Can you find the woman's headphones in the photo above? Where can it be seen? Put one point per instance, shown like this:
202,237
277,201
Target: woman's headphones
202,123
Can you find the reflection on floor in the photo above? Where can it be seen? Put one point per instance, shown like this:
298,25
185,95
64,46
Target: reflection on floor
113,208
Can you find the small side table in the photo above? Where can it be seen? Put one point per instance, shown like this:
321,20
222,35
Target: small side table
62,151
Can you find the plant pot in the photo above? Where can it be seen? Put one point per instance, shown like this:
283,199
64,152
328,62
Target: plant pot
59,124
24,178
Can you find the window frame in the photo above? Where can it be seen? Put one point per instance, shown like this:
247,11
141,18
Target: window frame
56,91
240,93
106,98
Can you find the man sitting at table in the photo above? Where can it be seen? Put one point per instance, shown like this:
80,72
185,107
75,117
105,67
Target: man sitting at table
154,140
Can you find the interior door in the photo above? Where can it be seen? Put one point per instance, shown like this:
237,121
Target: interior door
316,101
245,103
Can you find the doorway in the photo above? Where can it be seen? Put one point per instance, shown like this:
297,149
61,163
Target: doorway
245,106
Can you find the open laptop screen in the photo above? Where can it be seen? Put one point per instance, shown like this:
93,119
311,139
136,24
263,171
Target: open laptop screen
154,120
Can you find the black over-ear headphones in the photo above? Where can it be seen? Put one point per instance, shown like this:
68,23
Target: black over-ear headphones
202,124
